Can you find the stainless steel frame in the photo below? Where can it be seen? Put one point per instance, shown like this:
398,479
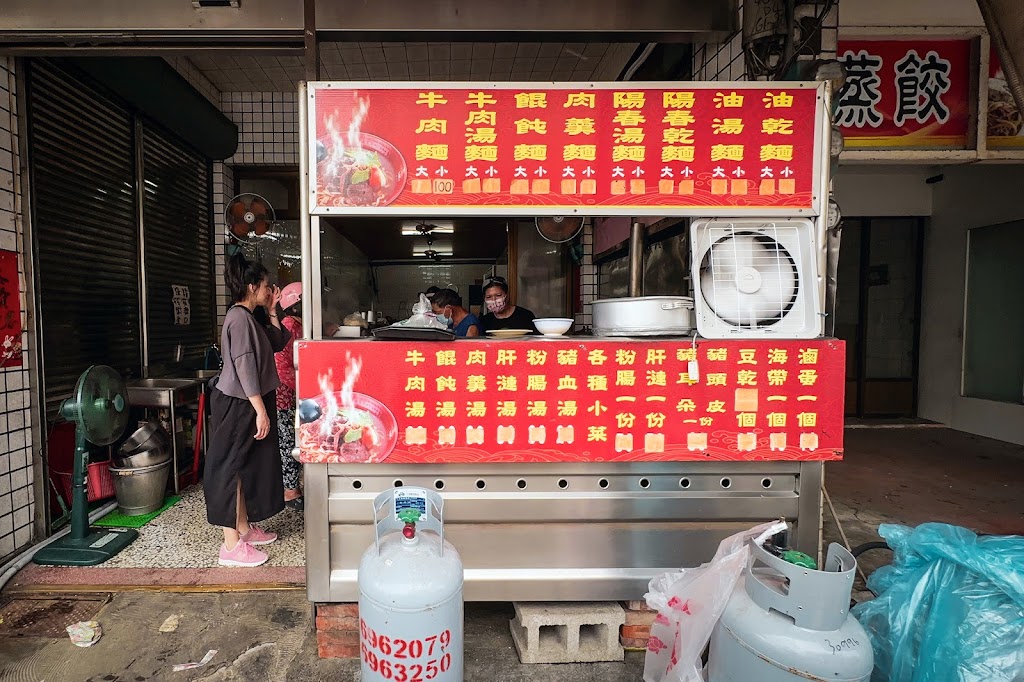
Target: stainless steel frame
548,532
573,532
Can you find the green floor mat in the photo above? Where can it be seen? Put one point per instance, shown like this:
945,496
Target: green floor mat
116,519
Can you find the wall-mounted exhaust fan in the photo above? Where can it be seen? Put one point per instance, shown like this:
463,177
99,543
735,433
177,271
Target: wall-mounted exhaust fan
559,229
756,279
248,217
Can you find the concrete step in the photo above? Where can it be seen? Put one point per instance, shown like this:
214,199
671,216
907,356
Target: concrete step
585,632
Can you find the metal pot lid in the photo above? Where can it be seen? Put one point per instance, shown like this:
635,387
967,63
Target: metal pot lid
685,299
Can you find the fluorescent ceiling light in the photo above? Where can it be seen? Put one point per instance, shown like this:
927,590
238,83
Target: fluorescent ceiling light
410,228
438,251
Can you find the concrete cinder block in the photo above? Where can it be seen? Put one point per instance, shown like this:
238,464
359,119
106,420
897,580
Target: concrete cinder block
568,633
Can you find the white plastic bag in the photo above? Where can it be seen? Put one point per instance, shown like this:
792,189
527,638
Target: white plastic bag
423,316
690,602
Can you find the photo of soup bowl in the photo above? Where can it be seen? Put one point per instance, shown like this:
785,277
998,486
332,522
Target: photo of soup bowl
374,174
364,432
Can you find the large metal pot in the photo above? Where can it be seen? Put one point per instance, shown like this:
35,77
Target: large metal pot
140,491
644,316
143,458
147,446
150,436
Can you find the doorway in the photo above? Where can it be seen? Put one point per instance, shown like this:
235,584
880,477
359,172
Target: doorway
878,314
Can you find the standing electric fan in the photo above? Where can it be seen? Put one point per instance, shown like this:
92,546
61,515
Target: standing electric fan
99,408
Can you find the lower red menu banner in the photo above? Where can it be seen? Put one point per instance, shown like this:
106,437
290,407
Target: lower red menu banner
570,401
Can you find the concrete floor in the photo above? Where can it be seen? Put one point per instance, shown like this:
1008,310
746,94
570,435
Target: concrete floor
258,636
891,475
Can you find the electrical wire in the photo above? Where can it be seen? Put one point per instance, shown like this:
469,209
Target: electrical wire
819,22
635,66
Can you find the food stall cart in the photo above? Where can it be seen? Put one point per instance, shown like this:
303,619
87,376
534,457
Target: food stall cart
573,468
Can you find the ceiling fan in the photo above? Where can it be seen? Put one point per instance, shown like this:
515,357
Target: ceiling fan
559,229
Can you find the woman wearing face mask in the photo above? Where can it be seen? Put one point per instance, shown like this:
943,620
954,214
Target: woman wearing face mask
501,314
447,305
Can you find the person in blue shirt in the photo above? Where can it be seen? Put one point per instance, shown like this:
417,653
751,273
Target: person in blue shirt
447,305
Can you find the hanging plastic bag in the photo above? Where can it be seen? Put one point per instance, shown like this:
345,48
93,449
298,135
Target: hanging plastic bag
423,316
690,602
950,608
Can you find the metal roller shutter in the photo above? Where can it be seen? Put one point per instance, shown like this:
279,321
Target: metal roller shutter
178,246
83,196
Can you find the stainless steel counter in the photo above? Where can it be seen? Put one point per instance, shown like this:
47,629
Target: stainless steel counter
566,532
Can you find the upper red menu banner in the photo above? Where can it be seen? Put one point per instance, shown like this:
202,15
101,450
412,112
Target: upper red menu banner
608,149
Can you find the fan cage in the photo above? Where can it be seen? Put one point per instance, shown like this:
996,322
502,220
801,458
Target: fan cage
722,261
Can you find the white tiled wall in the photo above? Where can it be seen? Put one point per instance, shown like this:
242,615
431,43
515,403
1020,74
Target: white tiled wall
17,504
398,285
725,61
223,190
193,75
268,127
588,278
720,61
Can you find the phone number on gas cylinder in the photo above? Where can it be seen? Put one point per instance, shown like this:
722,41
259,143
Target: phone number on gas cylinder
375,647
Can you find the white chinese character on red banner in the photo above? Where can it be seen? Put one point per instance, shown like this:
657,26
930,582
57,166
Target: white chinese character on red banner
920,84
859,97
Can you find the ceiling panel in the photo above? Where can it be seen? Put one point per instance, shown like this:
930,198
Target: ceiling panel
381,238
422,61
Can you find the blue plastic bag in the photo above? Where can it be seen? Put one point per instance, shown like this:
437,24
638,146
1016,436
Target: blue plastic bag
950,607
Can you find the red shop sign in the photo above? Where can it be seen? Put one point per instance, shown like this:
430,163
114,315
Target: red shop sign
588,401
10,310
608,149
905,94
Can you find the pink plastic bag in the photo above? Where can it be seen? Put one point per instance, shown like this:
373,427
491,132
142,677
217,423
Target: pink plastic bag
690,602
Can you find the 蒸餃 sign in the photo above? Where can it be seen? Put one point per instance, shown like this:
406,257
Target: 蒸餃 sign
588,149
905,94
592,401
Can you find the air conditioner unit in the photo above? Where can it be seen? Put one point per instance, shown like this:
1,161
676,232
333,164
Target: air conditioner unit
756,279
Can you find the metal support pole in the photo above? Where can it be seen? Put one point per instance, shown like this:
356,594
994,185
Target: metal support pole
304,234
636,259
311,59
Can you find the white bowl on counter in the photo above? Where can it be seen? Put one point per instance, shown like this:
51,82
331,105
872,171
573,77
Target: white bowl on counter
553,326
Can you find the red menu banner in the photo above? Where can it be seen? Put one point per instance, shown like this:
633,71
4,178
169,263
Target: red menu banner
905,94
570,401
577,148
10,310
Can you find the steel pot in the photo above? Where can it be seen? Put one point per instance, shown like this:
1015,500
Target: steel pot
143,458
151,436
644,316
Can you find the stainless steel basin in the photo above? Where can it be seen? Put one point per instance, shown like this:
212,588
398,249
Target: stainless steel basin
163,392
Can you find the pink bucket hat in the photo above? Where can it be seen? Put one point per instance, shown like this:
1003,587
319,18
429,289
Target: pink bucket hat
291,295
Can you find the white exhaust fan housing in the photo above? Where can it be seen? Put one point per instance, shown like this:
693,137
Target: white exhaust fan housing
756,279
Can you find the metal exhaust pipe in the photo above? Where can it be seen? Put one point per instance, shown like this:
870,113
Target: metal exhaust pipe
636,259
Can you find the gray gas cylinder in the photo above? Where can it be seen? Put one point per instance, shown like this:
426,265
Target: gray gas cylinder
774,632
410,593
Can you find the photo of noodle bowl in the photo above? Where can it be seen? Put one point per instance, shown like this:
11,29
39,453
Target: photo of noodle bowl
371,173
1004,118
362,433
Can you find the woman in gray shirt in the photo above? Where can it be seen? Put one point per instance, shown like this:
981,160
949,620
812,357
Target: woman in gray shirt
242,479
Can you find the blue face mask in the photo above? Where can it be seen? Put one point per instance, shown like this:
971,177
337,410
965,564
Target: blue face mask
445,320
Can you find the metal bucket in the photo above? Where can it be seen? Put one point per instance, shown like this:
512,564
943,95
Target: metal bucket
140,490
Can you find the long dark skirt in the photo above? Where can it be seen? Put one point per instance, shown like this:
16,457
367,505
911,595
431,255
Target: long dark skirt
235,454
